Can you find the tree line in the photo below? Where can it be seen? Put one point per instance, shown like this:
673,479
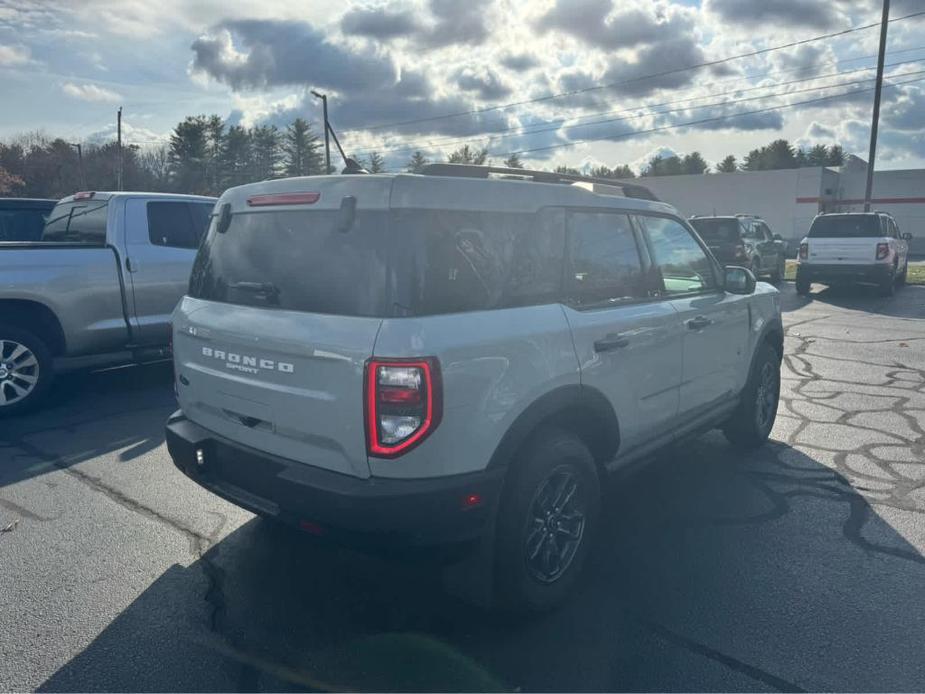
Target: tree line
205,155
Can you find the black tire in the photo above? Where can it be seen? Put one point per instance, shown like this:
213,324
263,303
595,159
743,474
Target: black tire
751,425
755,267
778,274
888,285
543,472
17,372
803,285
901,280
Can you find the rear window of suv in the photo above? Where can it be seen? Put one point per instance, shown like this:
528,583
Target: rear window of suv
407,263
845,226
715,230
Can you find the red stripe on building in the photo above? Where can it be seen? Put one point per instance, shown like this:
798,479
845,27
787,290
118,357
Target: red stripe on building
874,201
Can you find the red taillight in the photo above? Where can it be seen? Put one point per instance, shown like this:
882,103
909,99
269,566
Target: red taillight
883,250
84,195
403,404
283,199
804,251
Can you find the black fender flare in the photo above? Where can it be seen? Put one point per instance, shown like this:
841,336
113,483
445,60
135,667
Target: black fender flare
580,406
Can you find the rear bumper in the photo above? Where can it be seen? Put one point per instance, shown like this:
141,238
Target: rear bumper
361,512
870,272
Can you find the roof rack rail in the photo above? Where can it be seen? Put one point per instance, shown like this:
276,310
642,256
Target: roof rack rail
630,190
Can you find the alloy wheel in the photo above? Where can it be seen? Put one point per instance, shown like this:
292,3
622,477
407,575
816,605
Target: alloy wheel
766,397
19,372
556,526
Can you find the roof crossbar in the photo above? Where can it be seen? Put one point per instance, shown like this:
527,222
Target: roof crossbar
630,190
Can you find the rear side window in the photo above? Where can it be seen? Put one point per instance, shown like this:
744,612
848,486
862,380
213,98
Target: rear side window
82,221
604,266
846,226
22,224
297,260
450,261
684,266
177,224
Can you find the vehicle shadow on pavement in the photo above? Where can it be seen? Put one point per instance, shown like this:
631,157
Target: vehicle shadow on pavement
713,571
89,415
908,302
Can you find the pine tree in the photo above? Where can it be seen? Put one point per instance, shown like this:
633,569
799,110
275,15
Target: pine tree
467,155
694,163
188,155
622,171
302,150
267,152
818,156
215,139
571,171
375,163
513,162
836,156
727,165
417,163
236,157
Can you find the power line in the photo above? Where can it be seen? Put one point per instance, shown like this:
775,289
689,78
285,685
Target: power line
647,110
704,121
641,78
416,144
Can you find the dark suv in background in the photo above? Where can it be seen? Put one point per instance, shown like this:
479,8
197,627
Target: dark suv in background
744,240
22,219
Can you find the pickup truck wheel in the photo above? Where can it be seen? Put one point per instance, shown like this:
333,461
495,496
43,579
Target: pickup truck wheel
751,425
901,280
546,522
888,285
25,370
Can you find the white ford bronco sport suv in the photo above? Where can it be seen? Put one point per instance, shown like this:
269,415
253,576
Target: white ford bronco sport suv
456,359
853,247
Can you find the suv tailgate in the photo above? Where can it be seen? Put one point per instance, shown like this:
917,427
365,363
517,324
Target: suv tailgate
283,382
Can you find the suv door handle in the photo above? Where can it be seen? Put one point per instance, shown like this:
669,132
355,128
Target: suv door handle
699,323
611,342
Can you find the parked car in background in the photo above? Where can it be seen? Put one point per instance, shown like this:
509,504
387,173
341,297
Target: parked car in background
851,247
22,219
744,240
97,289
449,359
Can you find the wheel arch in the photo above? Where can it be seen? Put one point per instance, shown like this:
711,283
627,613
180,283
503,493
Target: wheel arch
37,318
583,410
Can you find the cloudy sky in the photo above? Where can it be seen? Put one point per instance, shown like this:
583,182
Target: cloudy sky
394,69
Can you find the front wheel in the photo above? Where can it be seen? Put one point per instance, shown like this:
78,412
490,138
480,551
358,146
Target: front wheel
751,425
25,370
547,519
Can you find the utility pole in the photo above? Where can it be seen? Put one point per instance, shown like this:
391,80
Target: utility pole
875,123
80,165
327,128
119,139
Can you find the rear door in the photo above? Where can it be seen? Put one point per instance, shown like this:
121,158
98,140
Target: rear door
715,324
628,341
284,308
162,237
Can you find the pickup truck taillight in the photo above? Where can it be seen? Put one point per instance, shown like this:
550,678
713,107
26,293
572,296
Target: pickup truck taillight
883,250
804,251
403,404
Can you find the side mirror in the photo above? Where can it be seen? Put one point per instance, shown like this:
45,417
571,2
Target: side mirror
906,236
739,280
778,237
224,218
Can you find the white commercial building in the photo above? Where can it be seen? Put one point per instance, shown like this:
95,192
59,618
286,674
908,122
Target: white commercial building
788,199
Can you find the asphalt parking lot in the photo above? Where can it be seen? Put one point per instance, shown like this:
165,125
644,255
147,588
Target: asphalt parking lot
799,567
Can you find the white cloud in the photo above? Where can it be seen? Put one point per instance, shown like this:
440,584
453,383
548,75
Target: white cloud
90,92
12,56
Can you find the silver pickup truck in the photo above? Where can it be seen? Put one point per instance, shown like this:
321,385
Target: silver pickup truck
97,290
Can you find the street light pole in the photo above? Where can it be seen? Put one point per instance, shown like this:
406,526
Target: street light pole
327,142
80,165
875,123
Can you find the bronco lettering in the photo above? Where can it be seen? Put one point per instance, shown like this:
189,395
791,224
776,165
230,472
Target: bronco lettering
247,363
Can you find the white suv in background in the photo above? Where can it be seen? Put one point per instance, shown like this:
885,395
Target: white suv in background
854,247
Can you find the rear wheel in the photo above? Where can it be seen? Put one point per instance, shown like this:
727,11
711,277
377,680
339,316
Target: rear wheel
901,280
547,519
803,285
25,370
779,270
888,285
751,425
